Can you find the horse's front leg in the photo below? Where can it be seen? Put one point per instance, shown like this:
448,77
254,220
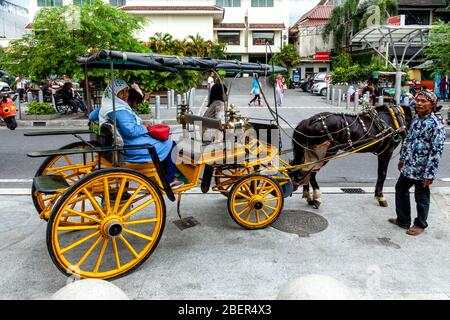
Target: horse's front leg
383,163
317,200
307,195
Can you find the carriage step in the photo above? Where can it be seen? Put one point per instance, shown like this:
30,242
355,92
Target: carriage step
50,183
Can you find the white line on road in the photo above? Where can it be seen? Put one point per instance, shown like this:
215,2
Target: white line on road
205,101
15,180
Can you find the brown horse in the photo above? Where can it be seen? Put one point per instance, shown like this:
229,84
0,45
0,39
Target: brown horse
320,137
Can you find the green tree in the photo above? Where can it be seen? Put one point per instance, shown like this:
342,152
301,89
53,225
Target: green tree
60,34
288,57
353,15
439,49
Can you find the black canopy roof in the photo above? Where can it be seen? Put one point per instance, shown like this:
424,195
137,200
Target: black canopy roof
157,62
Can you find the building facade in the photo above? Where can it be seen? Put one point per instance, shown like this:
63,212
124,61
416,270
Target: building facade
244,25
13,18
306,35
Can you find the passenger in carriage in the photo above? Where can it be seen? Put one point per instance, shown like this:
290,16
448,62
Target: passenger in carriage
133,130
216,110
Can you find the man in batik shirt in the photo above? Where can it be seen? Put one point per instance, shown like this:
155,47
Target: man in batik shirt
419,160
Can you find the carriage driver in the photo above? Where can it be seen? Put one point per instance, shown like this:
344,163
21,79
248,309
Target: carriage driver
133,130
419,160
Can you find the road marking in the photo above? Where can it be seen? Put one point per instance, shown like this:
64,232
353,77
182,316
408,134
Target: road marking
15,180
205,101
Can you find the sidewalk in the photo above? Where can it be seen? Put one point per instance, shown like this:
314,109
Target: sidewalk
348,238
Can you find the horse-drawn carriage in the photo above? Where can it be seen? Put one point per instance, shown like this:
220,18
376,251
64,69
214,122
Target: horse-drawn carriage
106,216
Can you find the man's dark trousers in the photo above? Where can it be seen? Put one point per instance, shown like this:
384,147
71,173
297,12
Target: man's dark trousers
403,205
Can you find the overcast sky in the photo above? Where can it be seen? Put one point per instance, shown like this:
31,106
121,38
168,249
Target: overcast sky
296,7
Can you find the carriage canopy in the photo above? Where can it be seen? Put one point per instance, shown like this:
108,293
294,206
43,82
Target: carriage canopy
148,61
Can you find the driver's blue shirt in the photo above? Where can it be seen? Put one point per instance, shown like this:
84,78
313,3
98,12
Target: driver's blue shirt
423,148
135,134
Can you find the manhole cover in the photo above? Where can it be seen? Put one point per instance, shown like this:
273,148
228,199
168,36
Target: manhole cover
302,223
353,190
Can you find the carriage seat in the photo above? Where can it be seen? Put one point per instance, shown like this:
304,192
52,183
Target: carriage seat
50,184
105,138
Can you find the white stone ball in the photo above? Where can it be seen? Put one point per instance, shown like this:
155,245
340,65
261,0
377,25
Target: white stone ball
315,287
90,289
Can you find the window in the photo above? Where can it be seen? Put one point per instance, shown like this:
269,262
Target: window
81,2
229,37
117,3
234,57
49,3
441,16
323,69
262,3
420,17
228,3
261,37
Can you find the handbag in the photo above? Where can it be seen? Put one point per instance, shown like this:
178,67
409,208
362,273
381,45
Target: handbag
159,131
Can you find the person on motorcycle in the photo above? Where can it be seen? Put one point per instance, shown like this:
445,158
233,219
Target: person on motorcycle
8,111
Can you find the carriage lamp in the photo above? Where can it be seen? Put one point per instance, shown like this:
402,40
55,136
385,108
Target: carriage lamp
235,121
182,109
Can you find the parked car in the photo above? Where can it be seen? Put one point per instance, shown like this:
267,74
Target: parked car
319,88
322,76
320,82
4,87
4,76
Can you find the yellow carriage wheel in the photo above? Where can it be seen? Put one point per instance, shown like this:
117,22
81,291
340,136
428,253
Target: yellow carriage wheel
126,227
71,167
255,201
227,176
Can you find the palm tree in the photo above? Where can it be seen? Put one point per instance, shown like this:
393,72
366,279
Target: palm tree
160,42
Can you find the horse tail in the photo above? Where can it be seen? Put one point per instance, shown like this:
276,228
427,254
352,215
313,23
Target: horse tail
299,141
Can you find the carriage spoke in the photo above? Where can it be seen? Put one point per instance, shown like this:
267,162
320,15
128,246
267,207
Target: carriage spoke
138,234
248,189
81,214
265,213
78,228
128,245
243,210
249,214
267,192
119,194
262,187
68,160
243,195
101,254
140,221
240,203
94,202
106,199
273,208
127,204
135,210
269,199
79,242
116,252
84,257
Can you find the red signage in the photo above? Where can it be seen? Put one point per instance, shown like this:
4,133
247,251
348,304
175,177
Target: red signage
322,56
396,20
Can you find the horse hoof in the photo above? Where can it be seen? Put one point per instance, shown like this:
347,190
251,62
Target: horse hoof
316,204
383,203
310,202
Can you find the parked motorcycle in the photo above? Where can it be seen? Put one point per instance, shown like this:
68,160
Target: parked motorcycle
8,110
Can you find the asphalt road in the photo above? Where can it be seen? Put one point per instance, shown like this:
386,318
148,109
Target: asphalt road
16,168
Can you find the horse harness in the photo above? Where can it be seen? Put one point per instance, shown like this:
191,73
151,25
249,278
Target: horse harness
398,118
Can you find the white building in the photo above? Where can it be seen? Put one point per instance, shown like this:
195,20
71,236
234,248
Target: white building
245,25
13,18
306,35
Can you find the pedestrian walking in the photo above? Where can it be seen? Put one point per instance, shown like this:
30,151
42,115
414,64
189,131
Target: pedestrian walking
443,85
20,88
210,82
418,165
256,91
279,90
